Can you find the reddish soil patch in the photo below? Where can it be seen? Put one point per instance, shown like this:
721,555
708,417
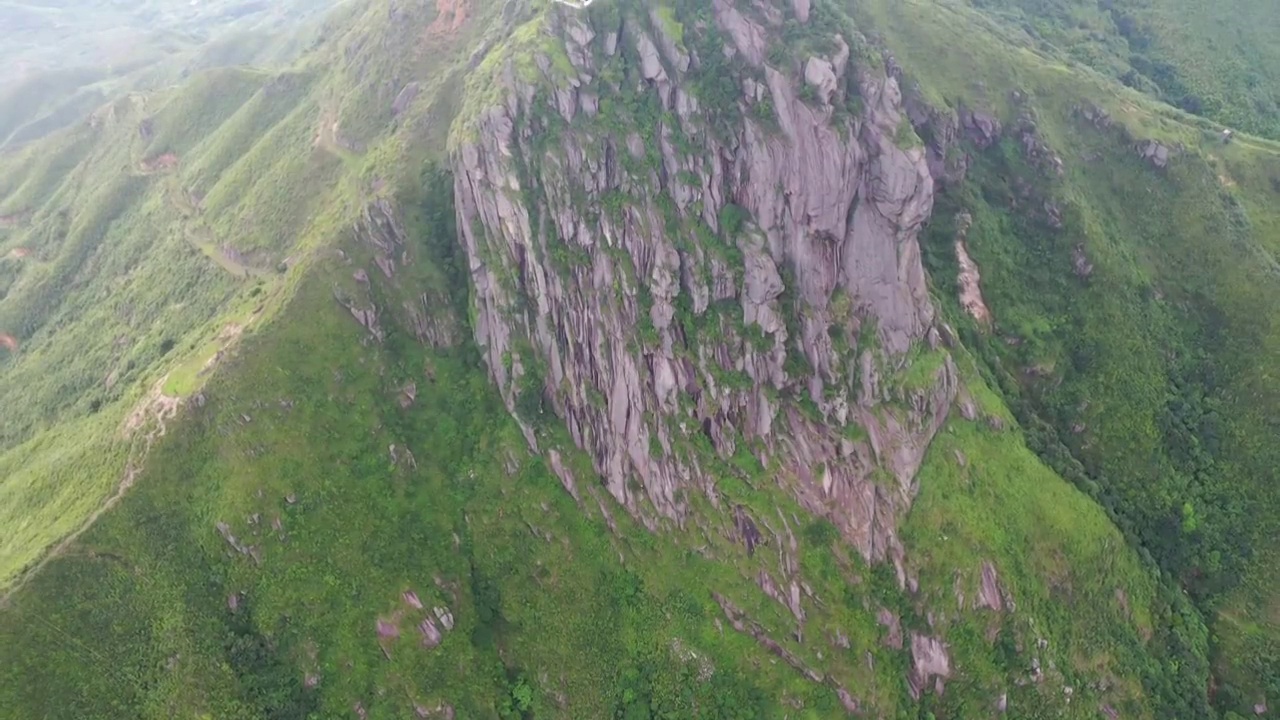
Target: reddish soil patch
450,15
13,219
8,342
19,253
167,161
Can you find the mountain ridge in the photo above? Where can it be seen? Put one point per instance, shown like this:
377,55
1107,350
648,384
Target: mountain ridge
543,193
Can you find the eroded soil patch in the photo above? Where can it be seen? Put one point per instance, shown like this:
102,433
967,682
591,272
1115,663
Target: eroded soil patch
161,163
450,15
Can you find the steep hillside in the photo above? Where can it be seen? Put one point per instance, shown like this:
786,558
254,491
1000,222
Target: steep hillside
139,246
67,58
1131,296
1215,59
776,359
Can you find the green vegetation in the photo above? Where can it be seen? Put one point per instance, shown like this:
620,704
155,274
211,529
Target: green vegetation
135,251
118,280
670,26
504,551
1142,377
906,137
1057,552
1215,59
221,496
69,58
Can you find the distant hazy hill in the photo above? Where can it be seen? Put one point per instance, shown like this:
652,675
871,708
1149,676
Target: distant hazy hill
64,59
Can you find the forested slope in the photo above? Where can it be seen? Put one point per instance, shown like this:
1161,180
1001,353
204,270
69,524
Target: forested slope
672,359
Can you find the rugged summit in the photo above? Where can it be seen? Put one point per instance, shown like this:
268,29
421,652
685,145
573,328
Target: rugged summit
747,266
635,359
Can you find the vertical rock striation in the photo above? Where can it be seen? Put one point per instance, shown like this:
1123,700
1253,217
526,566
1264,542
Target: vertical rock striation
688,247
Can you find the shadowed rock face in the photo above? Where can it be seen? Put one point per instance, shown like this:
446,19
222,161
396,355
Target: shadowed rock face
595,260
983,129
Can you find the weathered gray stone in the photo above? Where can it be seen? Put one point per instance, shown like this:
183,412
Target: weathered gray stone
821,76
1155,153
650,61
834,202
405,98
893,638
989,594
849,702
671,48
929,660
747,37
431,635
981,128
578,38
1080,262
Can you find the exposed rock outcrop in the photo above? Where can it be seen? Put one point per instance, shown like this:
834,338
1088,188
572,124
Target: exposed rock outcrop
929,661
430,315
406,97
801,8
13,220
982,129
942,128
1095,115
748,533
680,277
1037,151
1080,262
160,163
893,628
442,711
1155,152
990,594
743,624
969,279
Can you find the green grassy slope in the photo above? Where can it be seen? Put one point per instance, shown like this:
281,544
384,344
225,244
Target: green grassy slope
1218,59
1146,384
136,248
1150,381
561,609
68,59
107,283
23,103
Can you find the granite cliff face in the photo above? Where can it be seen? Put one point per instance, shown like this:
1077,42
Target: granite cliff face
698,231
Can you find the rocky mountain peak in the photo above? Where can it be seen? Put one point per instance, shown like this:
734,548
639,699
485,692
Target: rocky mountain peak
684,226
